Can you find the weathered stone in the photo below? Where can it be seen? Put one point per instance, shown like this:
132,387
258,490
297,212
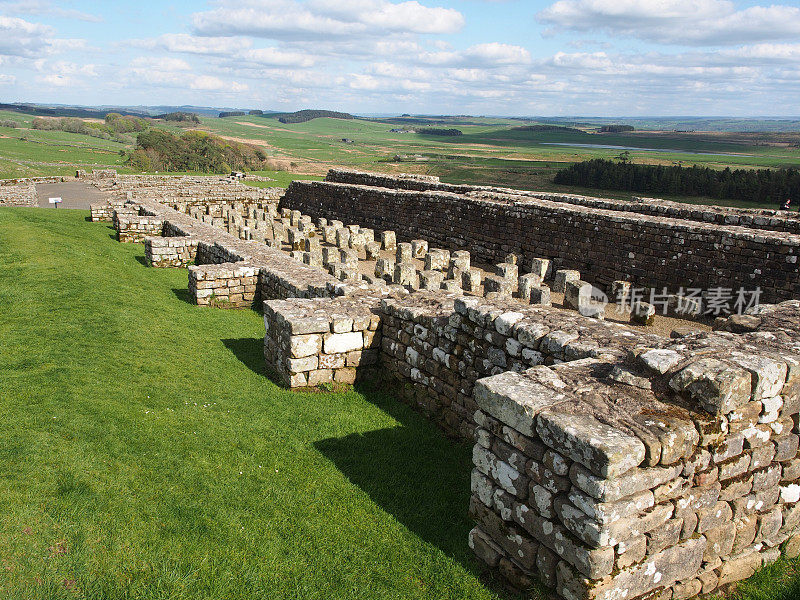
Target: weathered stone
605,451
739,567
661,570
610,490
501,472
718,387
515,400
561,278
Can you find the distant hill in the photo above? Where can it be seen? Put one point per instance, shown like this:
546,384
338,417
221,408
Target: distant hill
65,111
301,116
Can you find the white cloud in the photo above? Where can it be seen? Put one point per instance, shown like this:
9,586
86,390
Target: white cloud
170,72
211,83
321,19
189,44
39,7
679,22
23,38
497,54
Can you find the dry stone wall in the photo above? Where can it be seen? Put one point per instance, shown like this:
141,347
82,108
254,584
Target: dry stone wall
675,478
651,252
323,341
609,463
22,191
771,220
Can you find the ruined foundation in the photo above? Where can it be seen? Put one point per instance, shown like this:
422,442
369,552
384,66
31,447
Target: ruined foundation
610,462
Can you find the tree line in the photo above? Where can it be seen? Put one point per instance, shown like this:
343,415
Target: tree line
616,128
116,126
180,117
753,185
437,131
159,150
301,116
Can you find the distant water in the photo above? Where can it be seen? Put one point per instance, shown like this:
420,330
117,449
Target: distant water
606,146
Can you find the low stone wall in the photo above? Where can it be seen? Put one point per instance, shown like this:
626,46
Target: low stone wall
170,251
226,285
437,345
173,239
322,341
650,252
680,480
135,227
606,459
17,192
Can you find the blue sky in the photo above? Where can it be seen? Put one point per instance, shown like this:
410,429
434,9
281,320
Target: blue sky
514,57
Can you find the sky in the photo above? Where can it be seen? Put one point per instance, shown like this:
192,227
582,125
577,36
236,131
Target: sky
477,57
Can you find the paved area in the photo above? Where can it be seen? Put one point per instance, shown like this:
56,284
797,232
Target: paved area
74,194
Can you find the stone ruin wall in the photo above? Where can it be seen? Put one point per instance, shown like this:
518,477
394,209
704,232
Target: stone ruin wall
610,463
22,191
651,252
771,220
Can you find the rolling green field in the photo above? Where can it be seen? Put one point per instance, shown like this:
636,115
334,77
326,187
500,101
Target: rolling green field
491,151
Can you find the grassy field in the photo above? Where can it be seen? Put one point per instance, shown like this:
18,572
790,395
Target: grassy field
145,454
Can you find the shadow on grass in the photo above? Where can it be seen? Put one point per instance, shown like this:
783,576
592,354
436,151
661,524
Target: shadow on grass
414,473
142,261
183,295
250,351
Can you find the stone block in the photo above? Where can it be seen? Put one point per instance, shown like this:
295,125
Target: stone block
388,240
540,295
643,313
373,250
471,280
335,343
305,345
526,283
561,278
509,272
343,238
540,267
437,259
404,253
419,248
431,280
405,273
384,268
717,386
498,285
460,260
515,400
604,450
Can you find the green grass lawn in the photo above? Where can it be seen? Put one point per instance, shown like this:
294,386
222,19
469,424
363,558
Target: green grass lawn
145,454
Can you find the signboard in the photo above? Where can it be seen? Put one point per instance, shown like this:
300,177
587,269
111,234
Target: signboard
55,202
